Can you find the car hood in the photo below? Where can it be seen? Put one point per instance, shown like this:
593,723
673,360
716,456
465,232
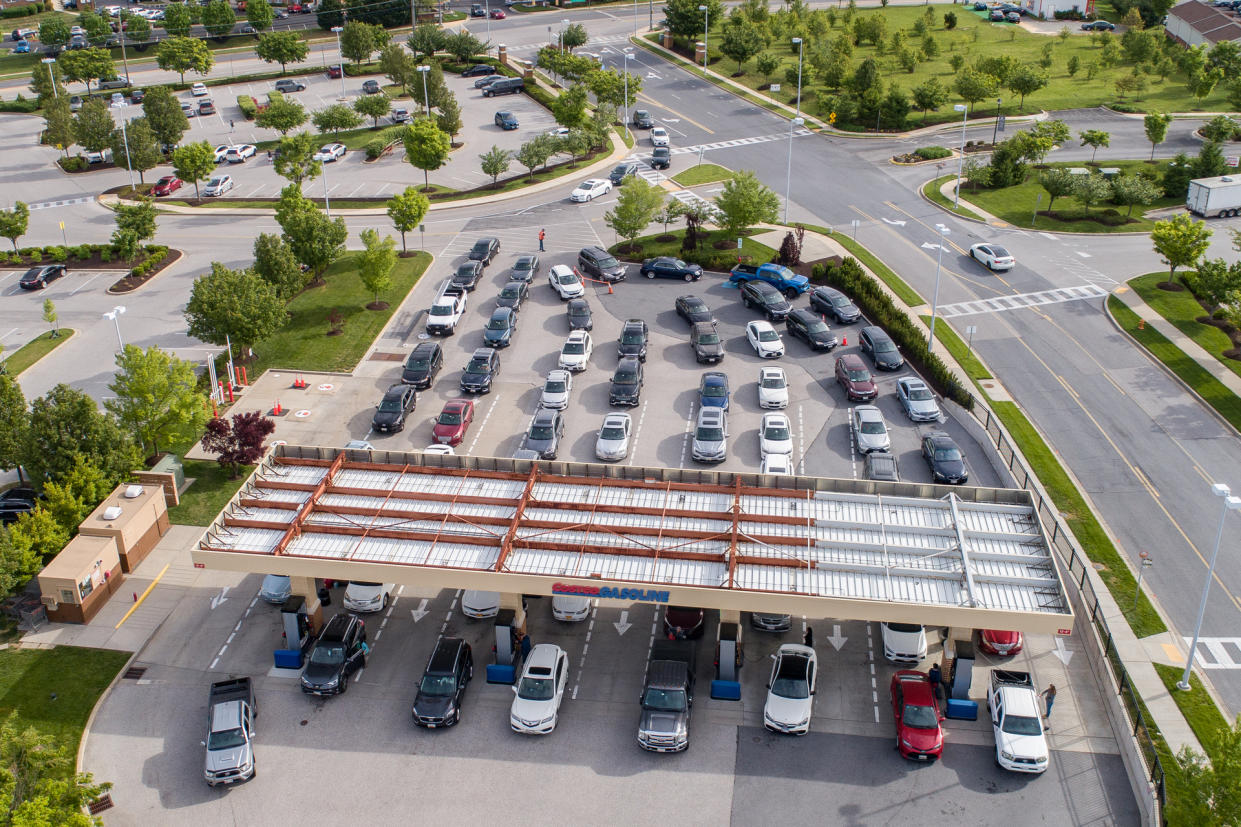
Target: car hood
572,358
532,710
610,446
873,440
711,446
476,378
923,740
227,759
787,710
539,445
924,407
432,706
418,375
778,446
446,430
950,468
554,399
318,673
1021,746
772,394
654,720
386,418
497,335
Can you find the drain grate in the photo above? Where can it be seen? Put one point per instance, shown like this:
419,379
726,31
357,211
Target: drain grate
104,802
379,356
133,673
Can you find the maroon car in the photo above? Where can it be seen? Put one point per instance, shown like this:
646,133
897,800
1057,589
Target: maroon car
854,377
997,642
681,622
334,71
167,185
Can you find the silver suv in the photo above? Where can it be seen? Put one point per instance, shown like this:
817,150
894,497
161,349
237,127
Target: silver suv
710,436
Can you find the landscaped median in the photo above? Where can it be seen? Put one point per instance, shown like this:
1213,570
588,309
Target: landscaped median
34,350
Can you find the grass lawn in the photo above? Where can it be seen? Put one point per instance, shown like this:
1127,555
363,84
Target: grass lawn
1182,309
209,493
34,350
976,37
931,191
304,344
652,248
702,174
1016,205
866,257
966,358
77,677
1215,392
1196,705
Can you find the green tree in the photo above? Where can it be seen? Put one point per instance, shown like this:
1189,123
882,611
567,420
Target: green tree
357,41
1210,162
1200,84
282,115
1131,190
1156,124
46,80
741,41
85,65
235,306
14,424
573,36
314,238
449,118
1215,281
97,29
462,45
138,218
35,538
930,94
1180,241
609,87
156,398
1058,183
532,153
1025,80
283,47
974,86
375,265
1073,65
194,162
259,14
865,77
276,264
50,316
178,20
92,128
373,107
569,109
136,148
830,65
164,115
219,19
426,147
58,123
1211,794
683,19
137,29
407,209
1094,138
54,33
894,110
1177,176
330,14
183,54
338,116
125,244
766,64
495,163
1219,129
636,206
399,66
67,427
70,499
426,40
14,222
296,161
744,202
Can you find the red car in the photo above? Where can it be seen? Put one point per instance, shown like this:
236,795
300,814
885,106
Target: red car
497,14
995,642
453,421
167,185
334,71
916,710
853,375
295,8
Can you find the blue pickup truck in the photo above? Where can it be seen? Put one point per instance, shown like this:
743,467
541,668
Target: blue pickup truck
777,275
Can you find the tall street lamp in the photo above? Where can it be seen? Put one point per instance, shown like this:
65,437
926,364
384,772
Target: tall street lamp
943,231
564,24
338,30
422,70
797,42
706,31
1231,503
996,130
51,73
965,113
788,179
128,162
327,204
115,315
628,57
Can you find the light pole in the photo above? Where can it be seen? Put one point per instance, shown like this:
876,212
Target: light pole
1231,503
628,56
128,164
564,24
797,42
788,180
327,204
124,59
996,130
115,315
943,231
422,70
51,73
706,31
965,113
338,30
635,18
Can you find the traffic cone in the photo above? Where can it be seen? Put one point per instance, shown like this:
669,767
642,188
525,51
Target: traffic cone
844,341
1141,324
276,410
609,288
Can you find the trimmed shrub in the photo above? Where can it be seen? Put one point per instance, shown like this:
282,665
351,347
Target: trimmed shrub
374,148
58,254
36,256
248,107
20,104
74,163
105,253
20,11
82,251
931,153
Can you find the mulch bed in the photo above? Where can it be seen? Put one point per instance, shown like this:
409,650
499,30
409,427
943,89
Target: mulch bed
129,283
1223,325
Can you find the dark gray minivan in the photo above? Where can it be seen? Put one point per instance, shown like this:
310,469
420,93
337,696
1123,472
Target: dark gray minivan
508,86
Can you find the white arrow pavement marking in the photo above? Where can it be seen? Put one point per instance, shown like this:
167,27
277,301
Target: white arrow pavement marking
420,612
926,246
1061,652
836,639
671,120
894,223
219,599
624,624
653,76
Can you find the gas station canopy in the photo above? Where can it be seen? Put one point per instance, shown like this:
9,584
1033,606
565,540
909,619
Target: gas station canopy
823,548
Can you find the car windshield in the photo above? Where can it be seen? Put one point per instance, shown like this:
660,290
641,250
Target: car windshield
768,336
664,700
328,655
817,326
478,366
510,292
391,404
227,739
523,264
498,323
481,246
777,432
554,386
215,182
437,686
772,298
884,346
418,364
873,427
714,391
907,628
567,278
919,717
709,339
920,394
775,382
450,418
840,301
579,311
795,688
1000,252
1022,725
632,337
947,454
467,269
612,433
536,689
441,310
541,432
573,348
859,376
709,434
623,169
607,261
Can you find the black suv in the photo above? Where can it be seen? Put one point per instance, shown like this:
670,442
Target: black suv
422,364
338,653
878,345
633,338
762,295
642,119
661,158
705,340
626,383
391,412
482,369
834,304
468,273
693,309
580,317
484,250
811,329
599,263
448,672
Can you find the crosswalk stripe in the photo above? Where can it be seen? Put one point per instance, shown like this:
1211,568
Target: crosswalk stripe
1219,656
1018,301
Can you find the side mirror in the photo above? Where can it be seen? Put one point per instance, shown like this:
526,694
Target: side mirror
514,690
204,743
769,686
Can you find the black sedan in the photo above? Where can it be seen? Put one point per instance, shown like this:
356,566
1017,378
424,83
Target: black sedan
391,412
485,250
477,70
423,363
467,274
525,268
693,309
667,267
513,294
579,315
36,278
622,171
1099,26
500,327
944,459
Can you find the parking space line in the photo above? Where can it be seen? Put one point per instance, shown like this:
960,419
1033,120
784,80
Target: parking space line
83,285
478,431
214,662
689,424
801,438
378,635
870,657
637,432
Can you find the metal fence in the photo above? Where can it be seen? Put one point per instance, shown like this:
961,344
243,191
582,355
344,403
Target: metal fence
1076,563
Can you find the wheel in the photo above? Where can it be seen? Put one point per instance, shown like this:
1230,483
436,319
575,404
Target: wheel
689,276
650,274
386,599
745,300
790,294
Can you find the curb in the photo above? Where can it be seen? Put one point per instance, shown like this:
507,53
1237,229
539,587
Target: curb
922,194
90,719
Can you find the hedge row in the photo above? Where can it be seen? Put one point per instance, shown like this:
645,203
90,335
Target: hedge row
154,256
932,153
82,252
25,11
21,104
910,336
249,109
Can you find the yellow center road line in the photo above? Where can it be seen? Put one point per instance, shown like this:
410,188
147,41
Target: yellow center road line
141,598
685,118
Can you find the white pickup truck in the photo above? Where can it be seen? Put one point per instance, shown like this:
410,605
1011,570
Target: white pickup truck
446,310
1020,742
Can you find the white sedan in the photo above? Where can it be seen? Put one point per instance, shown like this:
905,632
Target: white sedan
591,189
790,692
764,339
198,90
331,152
218,185
659,136
556,390
575,352
540,690
221,152
239,153
775,435
993,256
773,388
613,441
566,282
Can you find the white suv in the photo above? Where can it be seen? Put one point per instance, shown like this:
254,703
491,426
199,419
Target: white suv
576,350
540,690
566,282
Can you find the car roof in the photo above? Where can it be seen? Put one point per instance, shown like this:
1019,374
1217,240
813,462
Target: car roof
774,416
543,655
911,382
578,302
559,373
515,283
916,687
397,390
851,360
760,324
616,418
760,286
868,412
501,312
561,269
577,335
805,315
715,377
710,416
544,416
938,438
457,404
770,370
629,363
527,259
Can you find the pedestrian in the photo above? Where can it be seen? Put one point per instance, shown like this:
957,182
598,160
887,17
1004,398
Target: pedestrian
231,126
526,646
808,637
1049,694
542,235
936,679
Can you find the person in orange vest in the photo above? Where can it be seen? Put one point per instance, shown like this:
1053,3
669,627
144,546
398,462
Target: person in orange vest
542,235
